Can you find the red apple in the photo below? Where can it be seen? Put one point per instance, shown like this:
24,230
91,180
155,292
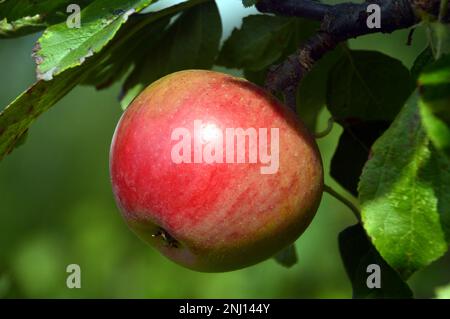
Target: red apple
213,171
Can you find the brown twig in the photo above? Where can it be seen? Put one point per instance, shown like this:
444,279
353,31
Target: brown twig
339,23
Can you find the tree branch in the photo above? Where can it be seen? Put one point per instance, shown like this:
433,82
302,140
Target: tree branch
340,22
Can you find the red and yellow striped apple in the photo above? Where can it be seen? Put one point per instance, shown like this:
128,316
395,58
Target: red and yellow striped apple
213,171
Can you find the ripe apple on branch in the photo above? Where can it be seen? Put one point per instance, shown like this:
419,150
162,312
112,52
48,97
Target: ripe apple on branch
216,210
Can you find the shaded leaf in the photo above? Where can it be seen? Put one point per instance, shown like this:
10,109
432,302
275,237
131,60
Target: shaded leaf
364,99
356,99
22,17
422,61
258,43
115,65
141,33
287,257
60,47
435,103
20,27
17,117
257,77
191,42
249,3
439,38
405,195
437,129
353,151
357,253
367,85
311,95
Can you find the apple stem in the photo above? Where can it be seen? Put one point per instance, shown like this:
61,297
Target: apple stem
343,200
327,130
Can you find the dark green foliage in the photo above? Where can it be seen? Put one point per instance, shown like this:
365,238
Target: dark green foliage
353,151
357,254
18,18
191,42
249,3
365,92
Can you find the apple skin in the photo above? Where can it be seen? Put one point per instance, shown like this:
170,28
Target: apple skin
220,216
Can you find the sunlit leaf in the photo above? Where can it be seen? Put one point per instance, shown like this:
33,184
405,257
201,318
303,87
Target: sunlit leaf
61,48
405,195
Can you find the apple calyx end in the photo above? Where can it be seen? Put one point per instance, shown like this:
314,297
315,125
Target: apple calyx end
168,240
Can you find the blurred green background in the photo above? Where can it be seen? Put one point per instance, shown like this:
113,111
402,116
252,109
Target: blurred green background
57,208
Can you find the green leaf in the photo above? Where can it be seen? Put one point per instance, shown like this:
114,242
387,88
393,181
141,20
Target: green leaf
20,27
439,38
443,292
435,103
258,43
21,17
437,74
435,84
61,48
353,152
257,77
113,66
405,195
191,42
422,61
367,85
357,253
17,117
287,257
437,129
141,33
302,29
362,98
311,95
249,3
